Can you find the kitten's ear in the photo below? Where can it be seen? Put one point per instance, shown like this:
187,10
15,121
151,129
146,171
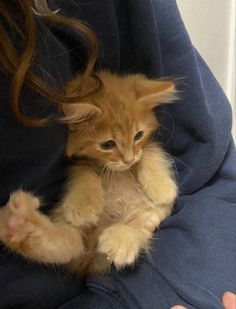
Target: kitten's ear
80,112
151,93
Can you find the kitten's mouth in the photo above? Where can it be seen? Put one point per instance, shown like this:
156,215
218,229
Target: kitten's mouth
121,167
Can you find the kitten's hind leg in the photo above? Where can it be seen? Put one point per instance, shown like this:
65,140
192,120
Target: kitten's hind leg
121,244
124,241
26,231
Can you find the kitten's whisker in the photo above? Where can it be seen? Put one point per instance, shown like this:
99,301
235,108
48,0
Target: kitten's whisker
106,175
182,162
173,125
103,170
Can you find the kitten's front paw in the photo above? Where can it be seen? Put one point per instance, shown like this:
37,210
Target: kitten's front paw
15,217
161,192
166,192
121,244
83,212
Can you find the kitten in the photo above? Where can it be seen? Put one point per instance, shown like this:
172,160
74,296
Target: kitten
119,190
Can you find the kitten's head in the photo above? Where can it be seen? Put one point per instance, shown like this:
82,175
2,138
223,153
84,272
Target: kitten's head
114,126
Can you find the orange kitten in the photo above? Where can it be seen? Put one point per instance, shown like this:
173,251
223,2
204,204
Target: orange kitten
120,188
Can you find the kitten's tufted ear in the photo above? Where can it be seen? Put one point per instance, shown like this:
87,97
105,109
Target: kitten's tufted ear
77,113
151,93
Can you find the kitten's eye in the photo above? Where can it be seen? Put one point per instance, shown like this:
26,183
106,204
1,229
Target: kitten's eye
138,135
108,145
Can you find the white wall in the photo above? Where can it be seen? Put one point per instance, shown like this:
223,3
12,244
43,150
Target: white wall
211,25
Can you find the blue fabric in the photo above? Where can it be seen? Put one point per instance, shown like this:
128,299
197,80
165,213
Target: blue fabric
194,252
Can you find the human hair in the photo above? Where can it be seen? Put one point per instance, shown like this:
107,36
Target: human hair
18,65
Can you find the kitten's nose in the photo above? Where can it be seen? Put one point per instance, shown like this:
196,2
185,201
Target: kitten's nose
128,160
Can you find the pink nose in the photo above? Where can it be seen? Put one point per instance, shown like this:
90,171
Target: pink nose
128,161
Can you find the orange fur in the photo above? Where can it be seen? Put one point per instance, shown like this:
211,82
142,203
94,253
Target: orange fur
118,192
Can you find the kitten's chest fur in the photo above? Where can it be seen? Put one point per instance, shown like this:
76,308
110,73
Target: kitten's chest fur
122,191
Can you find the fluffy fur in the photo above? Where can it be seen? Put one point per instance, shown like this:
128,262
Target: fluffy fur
118,192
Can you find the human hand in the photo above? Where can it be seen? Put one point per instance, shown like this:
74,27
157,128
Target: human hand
228,301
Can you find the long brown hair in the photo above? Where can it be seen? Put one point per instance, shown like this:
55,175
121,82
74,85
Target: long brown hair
17,66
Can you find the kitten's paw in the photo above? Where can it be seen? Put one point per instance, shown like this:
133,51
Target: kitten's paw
162,192
151,218
166,192
16,215
85,213
121,244
15,224
23,202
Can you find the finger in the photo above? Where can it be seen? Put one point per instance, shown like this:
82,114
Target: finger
229,300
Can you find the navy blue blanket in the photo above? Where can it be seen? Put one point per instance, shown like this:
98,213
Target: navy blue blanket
194,252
